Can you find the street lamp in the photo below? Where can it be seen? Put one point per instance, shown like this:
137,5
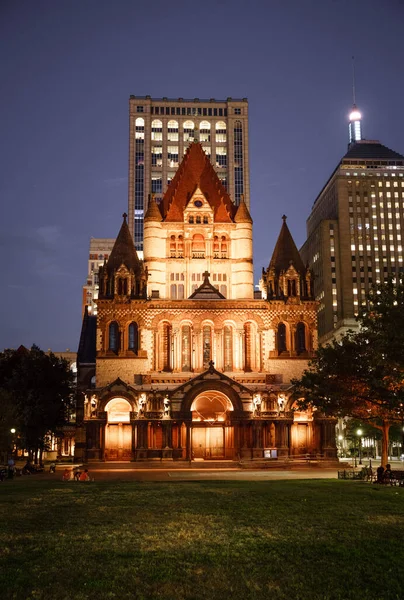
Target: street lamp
359,433
12,430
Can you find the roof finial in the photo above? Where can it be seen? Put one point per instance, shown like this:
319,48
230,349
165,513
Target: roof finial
284,217
241,197
124,216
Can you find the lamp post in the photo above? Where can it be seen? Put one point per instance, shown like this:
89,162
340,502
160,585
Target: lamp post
359,433
13,451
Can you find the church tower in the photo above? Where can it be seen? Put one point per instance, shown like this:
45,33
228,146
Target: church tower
197,229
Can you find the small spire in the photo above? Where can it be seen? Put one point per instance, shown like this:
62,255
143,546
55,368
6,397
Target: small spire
284,217
124,216
206,276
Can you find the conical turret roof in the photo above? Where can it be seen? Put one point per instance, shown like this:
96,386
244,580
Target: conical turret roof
194,172
286,252
153,212
123,252
242,214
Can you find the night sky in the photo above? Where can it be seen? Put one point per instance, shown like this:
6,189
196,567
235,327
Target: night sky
67,70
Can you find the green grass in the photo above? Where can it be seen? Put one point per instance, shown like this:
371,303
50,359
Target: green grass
201,540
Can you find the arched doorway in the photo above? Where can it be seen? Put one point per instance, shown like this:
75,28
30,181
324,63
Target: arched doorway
210,435
118,431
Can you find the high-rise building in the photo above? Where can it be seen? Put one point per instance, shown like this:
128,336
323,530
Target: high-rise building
160,131
354,231
100,249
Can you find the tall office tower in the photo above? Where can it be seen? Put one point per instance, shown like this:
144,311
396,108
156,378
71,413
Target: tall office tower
354,231
160,131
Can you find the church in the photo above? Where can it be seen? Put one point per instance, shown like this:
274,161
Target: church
183,362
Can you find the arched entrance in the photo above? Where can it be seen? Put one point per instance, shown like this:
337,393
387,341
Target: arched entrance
211,438
118,431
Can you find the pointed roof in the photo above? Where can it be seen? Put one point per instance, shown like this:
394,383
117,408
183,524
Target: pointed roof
87,345
206,291
124,251
285,252
153,212
242,215
194,172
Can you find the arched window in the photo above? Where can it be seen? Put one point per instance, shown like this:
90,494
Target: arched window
122,286
216,247
157,130
281,338
247,347
167,350
133,337
198,246
228,348
300,338
189,131
186,348
291,287
204,131
207,345
223,247
173,247
181,248
173,292
220,132
172,132
113,338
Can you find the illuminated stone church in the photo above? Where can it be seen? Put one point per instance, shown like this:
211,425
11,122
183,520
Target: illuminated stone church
182,361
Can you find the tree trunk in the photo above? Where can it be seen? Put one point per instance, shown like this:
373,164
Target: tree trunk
385,442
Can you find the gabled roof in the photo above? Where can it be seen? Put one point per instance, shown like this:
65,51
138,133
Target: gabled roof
206,291
124,251
286,253
369,150
196,171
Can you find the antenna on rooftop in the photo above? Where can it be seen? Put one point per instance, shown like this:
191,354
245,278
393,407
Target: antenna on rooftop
353,81
355,117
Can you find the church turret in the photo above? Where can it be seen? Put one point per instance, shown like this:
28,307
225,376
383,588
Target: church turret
123,274
242,251
154,249
286,276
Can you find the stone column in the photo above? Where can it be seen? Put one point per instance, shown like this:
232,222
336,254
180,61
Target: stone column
281,439
188,454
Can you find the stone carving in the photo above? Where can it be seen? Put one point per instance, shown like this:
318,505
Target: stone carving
257,402
167,406
142,404
281,402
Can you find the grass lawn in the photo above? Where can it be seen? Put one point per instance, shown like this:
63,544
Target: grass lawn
201,540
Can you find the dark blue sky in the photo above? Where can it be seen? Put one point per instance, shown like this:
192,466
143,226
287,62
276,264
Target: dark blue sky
66,73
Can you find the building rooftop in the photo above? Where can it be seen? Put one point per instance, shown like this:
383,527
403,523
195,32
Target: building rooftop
371,149
195,100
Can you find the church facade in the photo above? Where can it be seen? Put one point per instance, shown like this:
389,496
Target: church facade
182,362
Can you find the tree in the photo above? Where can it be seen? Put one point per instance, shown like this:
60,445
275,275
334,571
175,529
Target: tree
7,423
41,386
362,374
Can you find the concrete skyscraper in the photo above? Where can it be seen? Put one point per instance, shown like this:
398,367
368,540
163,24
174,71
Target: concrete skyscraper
354,231
160,131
